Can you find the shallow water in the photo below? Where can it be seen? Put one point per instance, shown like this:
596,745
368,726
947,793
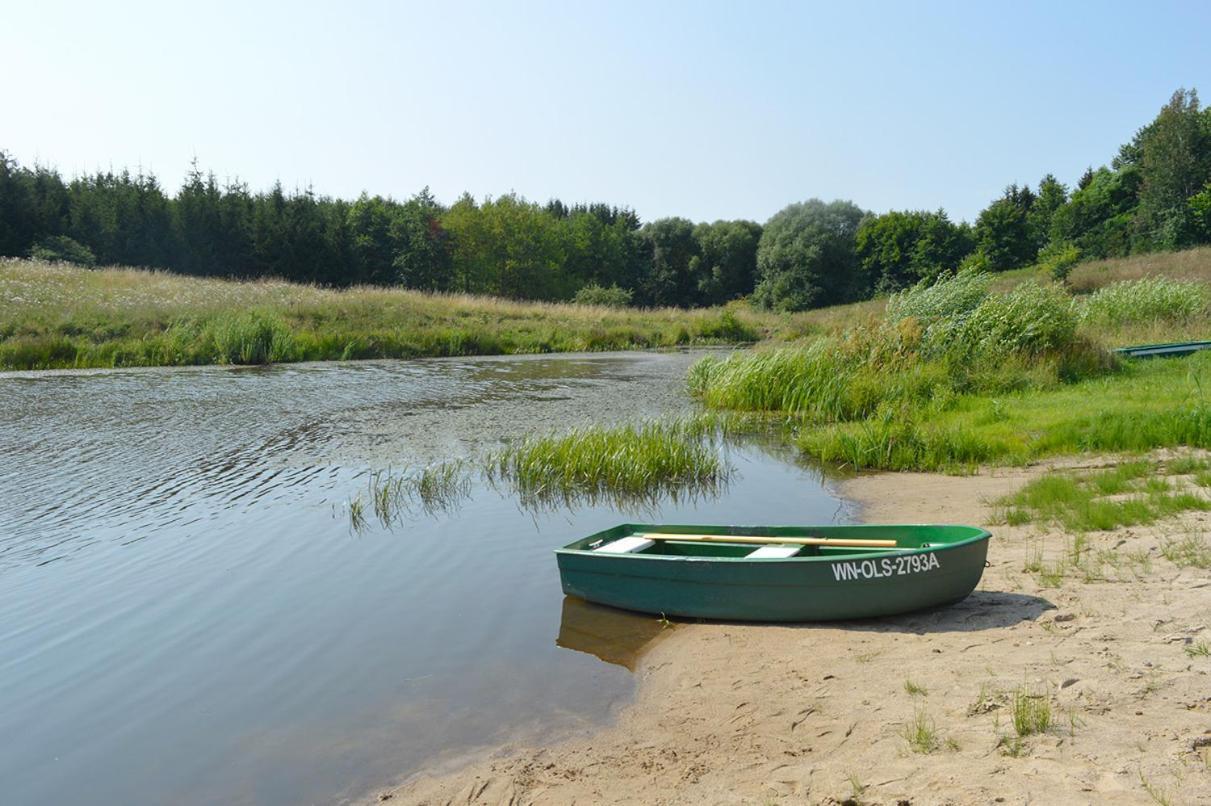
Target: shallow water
186,616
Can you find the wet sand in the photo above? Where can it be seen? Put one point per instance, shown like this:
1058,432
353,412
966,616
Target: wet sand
730,713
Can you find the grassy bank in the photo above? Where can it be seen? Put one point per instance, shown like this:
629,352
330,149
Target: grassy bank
56,315
988,370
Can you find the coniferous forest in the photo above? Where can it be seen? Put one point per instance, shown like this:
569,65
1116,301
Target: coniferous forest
1155,194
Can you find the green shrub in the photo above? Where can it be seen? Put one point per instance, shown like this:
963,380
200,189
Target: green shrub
1058,259
727,328
61,249
1151,299
594,294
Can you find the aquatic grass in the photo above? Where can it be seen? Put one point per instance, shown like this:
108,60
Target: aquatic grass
357,514
631,467
249,337
946,297
632,460
433,489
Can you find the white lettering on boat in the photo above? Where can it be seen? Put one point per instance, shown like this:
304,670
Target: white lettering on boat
885,567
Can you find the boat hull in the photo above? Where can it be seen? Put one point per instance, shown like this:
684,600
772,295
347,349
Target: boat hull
810,588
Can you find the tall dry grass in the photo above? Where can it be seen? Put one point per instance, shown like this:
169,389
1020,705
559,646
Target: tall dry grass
57,315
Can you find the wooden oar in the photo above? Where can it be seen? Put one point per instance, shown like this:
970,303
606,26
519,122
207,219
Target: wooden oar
794,541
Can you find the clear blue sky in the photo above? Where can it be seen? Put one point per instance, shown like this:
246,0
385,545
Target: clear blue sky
706,110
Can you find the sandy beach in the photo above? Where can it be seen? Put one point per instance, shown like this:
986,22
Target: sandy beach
730,713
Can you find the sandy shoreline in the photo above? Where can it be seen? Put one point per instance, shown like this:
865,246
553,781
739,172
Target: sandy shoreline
730,713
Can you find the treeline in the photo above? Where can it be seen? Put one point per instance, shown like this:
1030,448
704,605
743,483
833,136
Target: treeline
1154,195
506,246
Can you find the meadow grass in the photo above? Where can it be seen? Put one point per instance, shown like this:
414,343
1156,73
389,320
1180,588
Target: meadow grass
1141,406
57,315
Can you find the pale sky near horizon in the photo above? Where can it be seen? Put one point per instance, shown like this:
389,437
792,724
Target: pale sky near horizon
704,110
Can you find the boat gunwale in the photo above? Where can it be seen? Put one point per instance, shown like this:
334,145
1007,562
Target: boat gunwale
981,534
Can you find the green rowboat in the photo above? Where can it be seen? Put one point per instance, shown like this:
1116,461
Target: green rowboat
775,573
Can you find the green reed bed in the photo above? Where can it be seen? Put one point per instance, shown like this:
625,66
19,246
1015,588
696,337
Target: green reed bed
628,459
954,375
627,466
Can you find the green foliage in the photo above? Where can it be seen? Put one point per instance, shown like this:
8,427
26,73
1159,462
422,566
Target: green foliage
1031,319
1058,258
1099,218
1150,299
897,249
60,248
1052,195
1199,215
1003,232
807,257
594,294
1174,164
672,250
726,261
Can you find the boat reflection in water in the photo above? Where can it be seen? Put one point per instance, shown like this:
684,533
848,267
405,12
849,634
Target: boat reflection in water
614,636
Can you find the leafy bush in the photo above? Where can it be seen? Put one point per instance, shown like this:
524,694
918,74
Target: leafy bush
1150,299
61,249
1059,258
727,328
594,294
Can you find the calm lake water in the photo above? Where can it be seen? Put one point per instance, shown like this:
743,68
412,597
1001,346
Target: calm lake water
187,617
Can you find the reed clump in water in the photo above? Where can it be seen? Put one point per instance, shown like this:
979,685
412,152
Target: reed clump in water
627,459
634,467
433,489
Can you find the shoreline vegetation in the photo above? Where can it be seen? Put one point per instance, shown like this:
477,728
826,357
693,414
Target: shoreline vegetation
61,316
964,372
57,316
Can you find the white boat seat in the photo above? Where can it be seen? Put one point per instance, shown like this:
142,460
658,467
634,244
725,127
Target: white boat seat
774,552
626,545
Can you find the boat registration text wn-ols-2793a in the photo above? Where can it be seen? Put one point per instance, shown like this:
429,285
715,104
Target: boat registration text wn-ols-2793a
775,573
